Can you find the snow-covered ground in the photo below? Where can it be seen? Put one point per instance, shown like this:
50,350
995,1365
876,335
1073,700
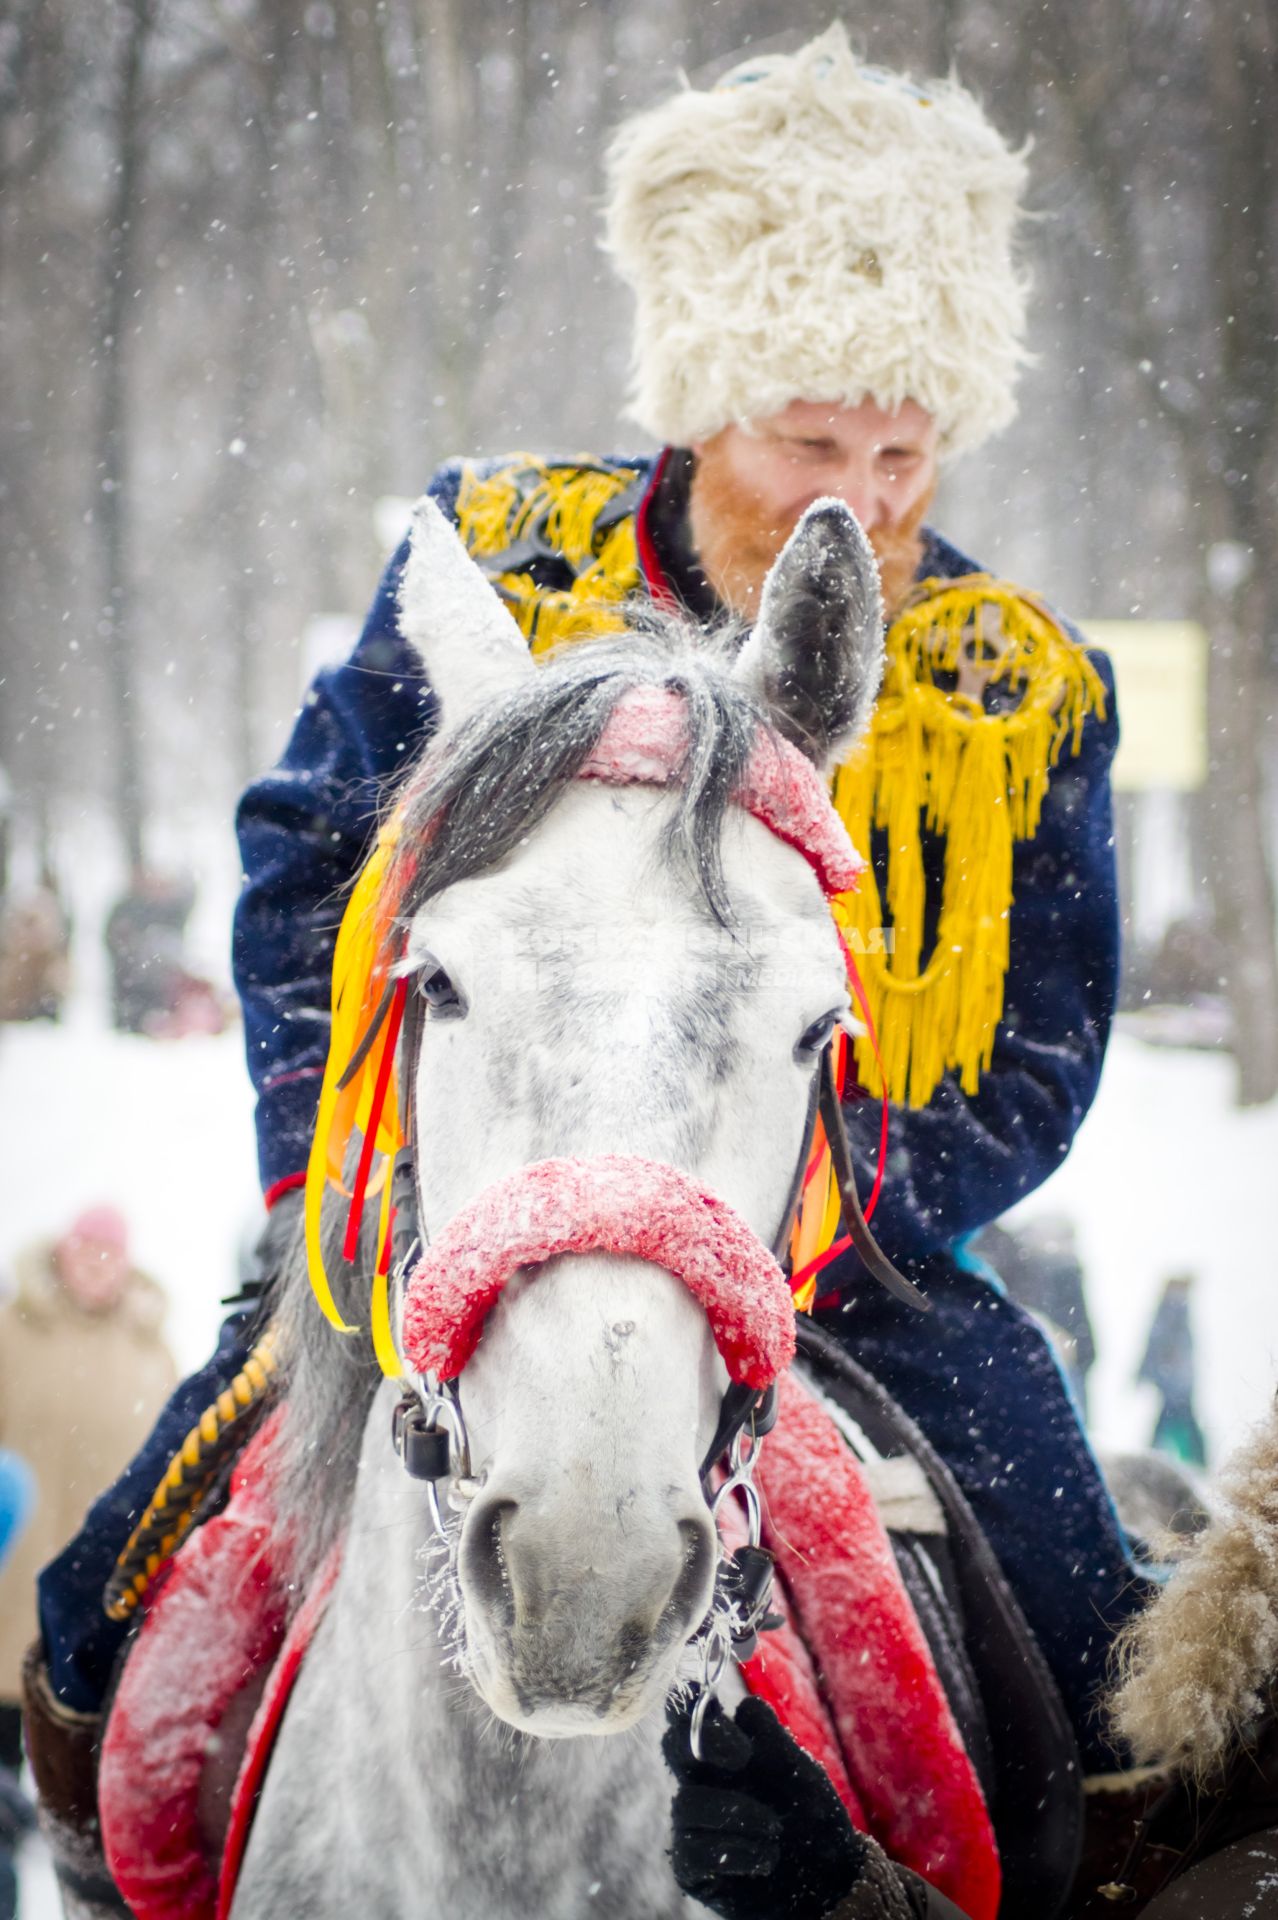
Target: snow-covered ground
161,1128
1167,1176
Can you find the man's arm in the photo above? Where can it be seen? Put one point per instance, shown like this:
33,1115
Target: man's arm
304,830
963,1159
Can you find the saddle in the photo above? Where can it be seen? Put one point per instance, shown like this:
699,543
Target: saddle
1001,1691
207,1679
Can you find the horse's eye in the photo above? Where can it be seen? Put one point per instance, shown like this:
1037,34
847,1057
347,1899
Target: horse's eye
814,1039
439,993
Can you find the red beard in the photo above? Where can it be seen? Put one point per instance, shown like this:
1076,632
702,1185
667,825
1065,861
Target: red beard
737,540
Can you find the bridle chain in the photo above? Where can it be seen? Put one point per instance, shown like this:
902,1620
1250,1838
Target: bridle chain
428,1430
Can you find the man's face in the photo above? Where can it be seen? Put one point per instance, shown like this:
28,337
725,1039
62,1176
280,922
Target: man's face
750,488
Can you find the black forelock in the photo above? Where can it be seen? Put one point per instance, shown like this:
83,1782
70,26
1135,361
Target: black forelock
484,788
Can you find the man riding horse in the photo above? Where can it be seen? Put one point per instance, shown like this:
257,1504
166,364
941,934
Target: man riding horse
828,304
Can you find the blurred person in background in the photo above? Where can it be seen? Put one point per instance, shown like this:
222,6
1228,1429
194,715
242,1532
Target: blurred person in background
1168,1366
35,943
145,937
153,991
84,1369
17,1815
1039,1265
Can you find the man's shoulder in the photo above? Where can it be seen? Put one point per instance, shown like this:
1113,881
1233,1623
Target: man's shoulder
967,640
513,506
943,564
555,534
942,560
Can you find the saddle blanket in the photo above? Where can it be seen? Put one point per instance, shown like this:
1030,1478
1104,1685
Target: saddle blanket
849,1672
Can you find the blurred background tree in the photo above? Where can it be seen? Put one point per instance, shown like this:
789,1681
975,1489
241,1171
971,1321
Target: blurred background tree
263,262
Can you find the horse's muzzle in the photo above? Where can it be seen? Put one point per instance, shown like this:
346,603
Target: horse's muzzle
584,1637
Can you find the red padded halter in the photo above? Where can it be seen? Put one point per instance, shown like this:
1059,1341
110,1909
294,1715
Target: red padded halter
615,1203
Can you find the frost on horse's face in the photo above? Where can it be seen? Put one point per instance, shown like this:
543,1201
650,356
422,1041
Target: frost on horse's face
595,1004
606,1011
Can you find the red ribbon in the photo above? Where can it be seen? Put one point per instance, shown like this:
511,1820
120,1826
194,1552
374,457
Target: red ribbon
384,1066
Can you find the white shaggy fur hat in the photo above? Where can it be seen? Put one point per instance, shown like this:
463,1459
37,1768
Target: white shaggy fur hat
820,230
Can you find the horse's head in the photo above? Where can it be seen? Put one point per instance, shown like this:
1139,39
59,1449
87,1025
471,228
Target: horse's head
626,963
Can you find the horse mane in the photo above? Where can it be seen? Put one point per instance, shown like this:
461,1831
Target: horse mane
465,804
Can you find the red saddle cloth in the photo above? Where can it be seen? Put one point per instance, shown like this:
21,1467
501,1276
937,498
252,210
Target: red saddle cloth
850,1674
198,1700
877,1718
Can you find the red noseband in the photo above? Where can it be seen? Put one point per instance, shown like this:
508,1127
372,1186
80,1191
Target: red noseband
614,1203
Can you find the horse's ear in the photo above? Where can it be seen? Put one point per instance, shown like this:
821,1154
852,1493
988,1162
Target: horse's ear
815,658
470,646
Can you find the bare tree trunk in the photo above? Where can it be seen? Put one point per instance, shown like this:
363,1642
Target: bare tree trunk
235,503
449,86
116,628
1240,871
1242,606
1226,422
943,24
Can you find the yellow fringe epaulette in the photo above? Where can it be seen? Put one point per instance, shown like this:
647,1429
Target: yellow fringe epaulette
531,508
936,761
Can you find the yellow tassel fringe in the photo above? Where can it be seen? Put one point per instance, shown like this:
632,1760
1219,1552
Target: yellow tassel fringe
935,762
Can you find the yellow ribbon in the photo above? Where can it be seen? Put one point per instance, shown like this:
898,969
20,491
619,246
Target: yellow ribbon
360,966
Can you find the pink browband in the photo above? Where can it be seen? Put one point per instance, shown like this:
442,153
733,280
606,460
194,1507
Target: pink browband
616,1203
643,743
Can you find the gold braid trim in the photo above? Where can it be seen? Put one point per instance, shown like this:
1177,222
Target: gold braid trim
934,759
557,506
175,1505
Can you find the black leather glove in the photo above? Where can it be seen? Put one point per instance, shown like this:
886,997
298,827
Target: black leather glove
760,1833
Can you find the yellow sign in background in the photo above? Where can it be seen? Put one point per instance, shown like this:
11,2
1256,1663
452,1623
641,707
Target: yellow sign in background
1160,669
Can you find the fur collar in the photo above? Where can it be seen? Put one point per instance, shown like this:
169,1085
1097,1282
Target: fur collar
1197,1668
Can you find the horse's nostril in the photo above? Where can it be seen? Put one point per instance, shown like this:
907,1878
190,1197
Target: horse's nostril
692,1590
483,1558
